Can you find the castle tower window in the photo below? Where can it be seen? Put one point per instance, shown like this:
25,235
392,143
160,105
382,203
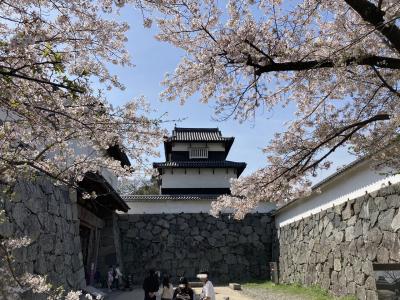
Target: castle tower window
198,153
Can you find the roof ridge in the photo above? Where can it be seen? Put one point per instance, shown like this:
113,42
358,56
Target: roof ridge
170,195
189,197
213,129
199,161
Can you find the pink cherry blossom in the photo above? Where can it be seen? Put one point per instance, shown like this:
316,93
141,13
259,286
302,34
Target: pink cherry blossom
335,62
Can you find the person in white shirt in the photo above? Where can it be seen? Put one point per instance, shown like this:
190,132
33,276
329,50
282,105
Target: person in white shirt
208,292
118,277
166,291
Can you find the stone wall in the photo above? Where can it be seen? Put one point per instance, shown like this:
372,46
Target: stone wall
337,248
48,215
110,245
182,244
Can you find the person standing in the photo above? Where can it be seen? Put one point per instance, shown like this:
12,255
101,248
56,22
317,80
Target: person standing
183,291
150,286
208,292
110,278
118,277
167,290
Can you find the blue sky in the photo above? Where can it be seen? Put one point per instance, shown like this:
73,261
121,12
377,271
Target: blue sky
153,59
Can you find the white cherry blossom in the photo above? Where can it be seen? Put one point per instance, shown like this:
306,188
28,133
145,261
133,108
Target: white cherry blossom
336,62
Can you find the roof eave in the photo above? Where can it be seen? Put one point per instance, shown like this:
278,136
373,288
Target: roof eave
93,181
118,154
241,169
228,145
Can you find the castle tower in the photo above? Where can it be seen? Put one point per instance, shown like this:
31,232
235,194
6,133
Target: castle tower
195,173
196,163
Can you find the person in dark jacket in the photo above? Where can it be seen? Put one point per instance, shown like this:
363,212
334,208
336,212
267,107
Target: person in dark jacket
183,291
150,286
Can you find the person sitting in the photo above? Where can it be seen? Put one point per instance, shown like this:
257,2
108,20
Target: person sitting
150,286
208,292
167,290
183,291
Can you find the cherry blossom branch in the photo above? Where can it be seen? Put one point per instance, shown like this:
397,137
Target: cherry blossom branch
6,255
372,14
392,89
43,81
356,127
378,61
305,159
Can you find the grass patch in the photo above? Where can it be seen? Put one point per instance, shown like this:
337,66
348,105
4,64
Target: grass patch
307,292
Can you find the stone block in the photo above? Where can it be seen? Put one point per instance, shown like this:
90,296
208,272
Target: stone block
370,283
352,221
33,228
364,212
367,268
19,214
349,234
395,224
337,266
347,213
393,200
360,292
246,230
374,235
371,250
385,219
7,229
47,243
349,274
328,229
381,203
351,288
382,255
395,250
163,223
235,286
371,295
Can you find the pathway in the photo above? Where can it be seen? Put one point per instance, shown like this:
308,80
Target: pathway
221,293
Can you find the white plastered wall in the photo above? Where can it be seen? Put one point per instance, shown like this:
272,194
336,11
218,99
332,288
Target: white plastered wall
177,178
186,146
352,184
184,206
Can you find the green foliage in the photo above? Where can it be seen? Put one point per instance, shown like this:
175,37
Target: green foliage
307,292
150,188
139,186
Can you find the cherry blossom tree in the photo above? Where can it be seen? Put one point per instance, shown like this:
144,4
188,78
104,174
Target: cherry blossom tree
53,120
54,117
336,63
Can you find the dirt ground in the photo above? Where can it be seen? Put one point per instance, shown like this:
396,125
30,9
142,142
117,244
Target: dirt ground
221,294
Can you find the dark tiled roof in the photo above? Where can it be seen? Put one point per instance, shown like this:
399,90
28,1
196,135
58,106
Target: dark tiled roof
197,134
240,166
200,164
137,198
